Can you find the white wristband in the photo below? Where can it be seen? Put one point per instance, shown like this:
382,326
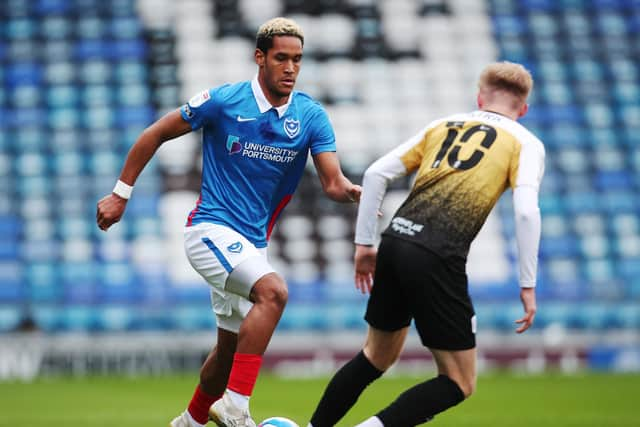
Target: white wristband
123,190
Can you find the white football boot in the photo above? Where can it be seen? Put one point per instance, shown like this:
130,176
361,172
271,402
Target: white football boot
225,414
181,420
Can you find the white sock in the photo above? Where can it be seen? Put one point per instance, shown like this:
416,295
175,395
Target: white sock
240,400
371,422
193,422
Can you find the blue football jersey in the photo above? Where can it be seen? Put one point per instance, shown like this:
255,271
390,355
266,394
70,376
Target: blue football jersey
253,154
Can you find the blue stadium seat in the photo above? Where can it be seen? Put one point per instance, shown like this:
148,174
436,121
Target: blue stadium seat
509,25
26,118
47,317
11,281
626,92
79,281
618,180
303,316
345,315
554,313
59,72
125,28
10,317
62,96
63,118
23,73
556,93
551,204
514,48
584,202
117,283
55,50
594,316
78,317
40,250
558,247
43,281
620,202
191,317
126,49
26,96
114,318
135,116
9,249
10,226
56,27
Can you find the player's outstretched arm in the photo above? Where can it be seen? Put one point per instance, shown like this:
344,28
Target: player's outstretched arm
334,184
111,207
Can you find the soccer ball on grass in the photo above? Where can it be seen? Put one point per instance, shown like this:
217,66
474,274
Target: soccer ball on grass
278,422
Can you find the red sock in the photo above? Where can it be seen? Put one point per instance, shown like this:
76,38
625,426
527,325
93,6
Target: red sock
199,405
244,373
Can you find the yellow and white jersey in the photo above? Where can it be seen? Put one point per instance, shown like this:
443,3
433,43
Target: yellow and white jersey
464,163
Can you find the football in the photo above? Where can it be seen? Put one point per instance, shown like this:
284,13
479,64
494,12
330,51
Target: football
278,422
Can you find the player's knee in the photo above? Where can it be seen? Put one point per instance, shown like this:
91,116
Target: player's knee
468,386
272,291
380,358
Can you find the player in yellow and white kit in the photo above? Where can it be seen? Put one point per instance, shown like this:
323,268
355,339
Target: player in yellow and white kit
464,163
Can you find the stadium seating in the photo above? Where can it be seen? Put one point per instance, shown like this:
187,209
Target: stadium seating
80,79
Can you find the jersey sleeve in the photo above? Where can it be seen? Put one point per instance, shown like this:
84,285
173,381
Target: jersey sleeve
400,161
527,165
527,225
411,152
200,109
323,137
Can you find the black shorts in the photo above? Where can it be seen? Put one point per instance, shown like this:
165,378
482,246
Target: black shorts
412,282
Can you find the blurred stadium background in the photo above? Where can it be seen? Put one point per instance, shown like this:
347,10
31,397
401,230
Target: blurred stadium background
79,79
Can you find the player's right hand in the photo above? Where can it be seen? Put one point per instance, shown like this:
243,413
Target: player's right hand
110,210
364,262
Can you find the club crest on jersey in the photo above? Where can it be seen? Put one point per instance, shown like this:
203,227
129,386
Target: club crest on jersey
291,127
233,144
236,247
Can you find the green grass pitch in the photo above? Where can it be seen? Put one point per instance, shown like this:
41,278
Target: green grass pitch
582,400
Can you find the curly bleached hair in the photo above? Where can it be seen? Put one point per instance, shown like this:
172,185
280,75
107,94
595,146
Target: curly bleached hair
277,27
508,77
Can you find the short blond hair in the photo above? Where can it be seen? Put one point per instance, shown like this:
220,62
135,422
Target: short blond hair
277,27
508,77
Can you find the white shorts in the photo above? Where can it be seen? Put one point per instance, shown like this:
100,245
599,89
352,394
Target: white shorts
230,264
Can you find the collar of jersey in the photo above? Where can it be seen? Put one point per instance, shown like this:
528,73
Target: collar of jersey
263,104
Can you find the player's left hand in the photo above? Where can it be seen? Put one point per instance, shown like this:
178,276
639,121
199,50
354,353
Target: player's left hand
528,298
365,264
110,210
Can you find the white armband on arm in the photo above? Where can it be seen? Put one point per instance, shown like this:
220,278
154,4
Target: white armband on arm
123,190
528,226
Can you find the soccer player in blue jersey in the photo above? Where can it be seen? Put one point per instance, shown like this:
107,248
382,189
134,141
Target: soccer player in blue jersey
256,138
